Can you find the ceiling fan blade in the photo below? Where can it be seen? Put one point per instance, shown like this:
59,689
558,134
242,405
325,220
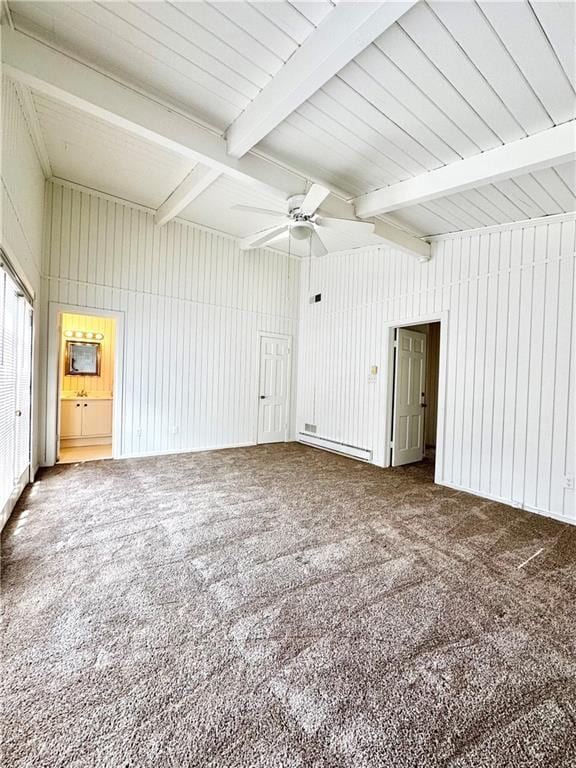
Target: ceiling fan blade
279,236
317,246
314,198
261,238
263,211
353,226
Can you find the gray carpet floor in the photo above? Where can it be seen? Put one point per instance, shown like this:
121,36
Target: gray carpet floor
281,607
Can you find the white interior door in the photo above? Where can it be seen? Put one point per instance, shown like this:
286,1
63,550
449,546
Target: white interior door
273,394
409,394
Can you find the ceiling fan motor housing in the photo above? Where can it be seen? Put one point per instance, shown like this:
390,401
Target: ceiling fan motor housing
294,203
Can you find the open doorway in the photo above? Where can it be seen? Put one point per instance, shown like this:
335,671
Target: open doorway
86,387
415,377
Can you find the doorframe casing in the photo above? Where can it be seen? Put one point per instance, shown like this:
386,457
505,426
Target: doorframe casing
52,413
391,326
286,337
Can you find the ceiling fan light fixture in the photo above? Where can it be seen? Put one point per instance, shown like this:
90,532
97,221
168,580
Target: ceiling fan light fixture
301,230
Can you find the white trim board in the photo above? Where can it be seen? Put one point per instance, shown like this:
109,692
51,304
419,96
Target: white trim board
52,410
521,224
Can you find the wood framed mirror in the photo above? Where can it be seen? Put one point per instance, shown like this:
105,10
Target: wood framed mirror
82,358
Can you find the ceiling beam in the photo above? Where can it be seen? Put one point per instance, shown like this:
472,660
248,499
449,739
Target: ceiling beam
344,33
550,147
188,190
401,240
53,73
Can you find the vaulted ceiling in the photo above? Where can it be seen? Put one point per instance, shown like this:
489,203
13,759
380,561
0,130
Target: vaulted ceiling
442,83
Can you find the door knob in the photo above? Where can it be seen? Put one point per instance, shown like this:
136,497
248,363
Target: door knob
18,413
85,405
262,397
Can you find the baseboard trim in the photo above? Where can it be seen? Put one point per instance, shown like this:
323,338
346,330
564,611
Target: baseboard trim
169,452
82,442
175,451
510,503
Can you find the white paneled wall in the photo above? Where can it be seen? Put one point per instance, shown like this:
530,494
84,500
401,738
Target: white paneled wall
193,305
22,189
22,211
508,386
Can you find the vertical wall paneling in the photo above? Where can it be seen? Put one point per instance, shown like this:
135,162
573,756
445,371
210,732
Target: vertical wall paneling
22,211
193,305
508,294
22,188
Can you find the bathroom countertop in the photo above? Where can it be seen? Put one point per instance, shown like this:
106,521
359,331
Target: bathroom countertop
90,396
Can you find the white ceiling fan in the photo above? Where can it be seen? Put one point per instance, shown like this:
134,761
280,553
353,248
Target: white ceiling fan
303,221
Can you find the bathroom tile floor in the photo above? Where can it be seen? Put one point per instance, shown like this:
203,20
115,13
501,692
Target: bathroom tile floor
85,453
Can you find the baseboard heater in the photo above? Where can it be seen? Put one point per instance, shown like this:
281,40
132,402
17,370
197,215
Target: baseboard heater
333,445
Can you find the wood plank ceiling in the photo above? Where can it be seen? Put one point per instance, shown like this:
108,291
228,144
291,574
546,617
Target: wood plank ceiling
91,152
209,59
448,81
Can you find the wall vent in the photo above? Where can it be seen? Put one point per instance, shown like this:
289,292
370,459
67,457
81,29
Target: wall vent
315,299
310,428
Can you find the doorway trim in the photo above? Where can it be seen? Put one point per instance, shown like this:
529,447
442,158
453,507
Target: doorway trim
391,326
286,337
55,309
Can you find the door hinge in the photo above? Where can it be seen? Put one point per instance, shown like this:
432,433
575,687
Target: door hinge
391,444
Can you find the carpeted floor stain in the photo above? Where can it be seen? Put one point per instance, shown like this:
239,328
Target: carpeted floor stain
281,607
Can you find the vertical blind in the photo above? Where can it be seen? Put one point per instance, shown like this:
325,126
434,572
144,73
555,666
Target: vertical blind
15,385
